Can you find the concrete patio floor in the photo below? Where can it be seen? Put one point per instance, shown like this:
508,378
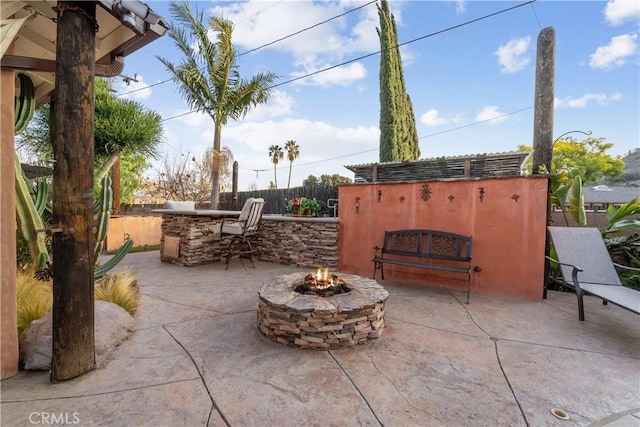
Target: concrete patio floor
197,359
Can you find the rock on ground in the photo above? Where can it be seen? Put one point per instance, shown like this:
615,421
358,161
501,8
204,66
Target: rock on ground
113,324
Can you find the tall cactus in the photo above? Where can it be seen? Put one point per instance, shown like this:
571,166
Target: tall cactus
28,214
102,214
102,211
29,219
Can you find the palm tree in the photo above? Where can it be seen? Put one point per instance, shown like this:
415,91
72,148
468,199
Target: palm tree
208,76
276,154
293,151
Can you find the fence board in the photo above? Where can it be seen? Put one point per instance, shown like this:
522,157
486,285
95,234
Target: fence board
275,200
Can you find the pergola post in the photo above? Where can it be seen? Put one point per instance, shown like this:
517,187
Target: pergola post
73,139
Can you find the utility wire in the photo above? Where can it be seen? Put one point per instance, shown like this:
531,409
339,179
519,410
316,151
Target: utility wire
259,12
431,135
404,43
264,45
380,51
308,28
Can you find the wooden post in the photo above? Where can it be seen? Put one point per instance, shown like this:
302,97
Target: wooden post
543,103
543,120
234,185
73,135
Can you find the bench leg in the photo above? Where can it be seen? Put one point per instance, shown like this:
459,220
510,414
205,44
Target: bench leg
468,287
377,265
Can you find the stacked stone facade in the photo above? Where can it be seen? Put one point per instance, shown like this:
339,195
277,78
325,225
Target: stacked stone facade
314,322
303,242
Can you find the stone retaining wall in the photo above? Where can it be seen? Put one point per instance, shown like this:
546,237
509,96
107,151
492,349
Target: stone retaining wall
301,242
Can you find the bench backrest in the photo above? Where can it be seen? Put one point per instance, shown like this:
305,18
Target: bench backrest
428,244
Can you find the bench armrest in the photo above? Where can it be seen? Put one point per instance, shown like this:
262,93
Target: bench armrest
376,252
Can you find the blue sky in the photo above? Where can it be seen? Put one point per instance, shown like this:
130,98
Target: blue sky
472,87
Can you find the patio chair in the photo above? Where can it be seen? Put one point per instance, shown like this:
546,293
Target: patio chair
587,267
240,230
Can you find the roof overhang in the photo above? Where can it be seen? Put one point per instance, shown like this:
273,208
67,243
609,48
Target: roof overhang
120,33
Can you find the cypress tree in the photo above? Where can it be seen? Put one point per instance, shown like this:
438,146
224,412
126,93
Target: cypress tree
398,134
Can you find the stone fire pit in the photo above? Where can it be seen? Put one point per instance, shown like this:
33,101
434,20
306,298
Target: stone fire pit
312,321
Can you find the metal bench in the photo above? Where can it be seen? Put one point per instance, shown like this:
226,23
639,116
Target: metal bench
587,267
431,249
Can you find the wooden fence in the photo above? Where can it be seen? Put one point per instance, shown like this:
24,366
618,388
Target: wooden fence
276,200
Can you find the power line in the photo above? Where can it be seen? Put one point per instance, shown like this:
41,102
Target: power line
264,45
308,28
405,43
431,135
380,51
259,12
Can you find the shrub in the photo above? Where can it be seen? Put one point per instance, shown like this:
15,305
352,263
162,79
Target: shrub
34,297
121,289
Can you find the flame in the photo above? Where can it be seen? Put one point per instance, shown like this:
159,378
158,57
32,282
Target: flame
323,277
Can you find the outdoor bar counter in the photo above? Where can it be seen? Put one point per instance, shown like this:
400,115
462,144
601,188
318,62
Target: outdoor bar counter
188,238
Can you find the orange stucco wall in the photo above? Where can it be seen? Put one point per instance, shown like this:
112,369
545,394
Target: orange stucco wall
507,227
144,230
8,303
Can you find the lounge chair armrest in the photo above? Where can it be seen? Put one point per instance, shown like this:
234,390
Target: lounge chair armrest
575,267
626,267
574,272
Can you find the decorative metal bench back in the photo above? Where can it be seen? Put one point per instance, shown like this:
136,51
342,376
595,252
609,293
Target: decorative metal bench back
428,244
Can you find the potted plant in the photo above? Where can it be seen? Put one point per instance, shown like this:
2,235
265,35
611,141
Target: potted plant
293,206
303,206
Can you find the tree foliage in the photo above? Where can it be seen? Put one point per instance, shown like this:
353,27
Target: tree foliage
124,129
398,134
276,154
587,159
208,76
185,177
327,180
293,151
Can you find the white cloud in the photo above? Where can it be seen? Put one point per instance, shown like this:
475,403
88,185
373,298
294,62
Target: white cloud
512,56
461,6
583,101
618,11
131,89
616,53
279,105
432,118
340,76
193,120
258,23
492,115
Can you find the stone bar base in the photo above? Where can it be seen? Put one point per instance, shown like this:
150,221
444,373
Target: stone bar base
309,321
302,242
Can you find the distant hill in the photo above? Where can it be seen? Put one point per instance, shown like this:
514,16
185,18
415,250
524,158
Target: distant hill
632,163
631,173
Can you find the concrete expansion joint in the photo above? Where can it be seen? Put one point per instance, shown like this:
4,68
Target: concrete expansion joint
204,382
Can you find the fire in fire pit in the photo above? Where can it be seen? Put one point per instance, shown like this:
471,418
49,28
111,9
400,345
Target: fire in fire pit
322,284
